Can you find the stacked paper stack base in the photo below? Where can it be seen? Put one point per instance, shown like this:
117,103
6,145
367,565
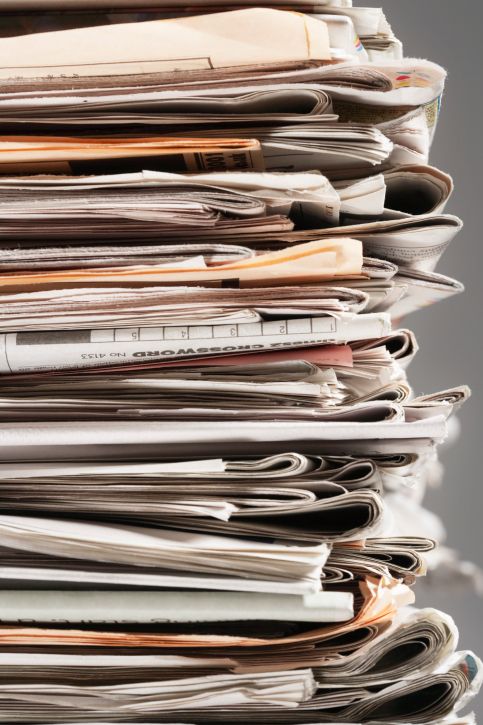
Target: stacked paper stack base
213,224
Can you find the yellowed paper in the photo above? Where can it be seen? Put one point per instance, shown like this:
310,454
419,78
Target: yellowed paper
312,262
221,40
379,609
27,154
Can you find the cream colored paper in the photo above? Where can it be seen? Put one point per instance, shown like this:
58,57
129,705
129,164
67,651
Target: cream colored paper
222,40
303,263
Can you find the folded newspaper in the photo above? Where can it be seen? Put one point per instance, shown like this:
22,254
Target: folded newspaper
213,220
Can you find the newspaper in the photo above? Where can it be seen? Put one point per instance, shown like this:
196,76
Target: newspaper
56,350
423,289
401,343
375,289
195,527
297,389
361,201
326,147
406,560
448,684
279,690
308,124
165,548
20,569
380,359
79,308
276,148
147,203
304,104
377,606
321,261
433,427
141,440
309,199
414,242
364,665
168,46
179,306
181,399
267,702
373,387
401,192
416,190
209,254
35,450
374,31
344,43
366,83
360,513
172,607
26,154
313,473
348,566
409,129
264,698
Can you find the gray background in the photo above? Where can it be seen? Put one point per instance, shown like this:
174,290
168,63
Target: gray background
449,333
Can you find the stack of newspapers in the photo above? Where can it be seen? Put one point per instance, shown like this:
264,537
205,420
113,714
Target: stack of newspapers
213,220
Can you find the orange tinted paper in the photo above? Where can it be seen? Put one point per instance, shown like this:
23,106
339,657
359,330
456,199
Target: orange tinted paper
379,608
318,261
